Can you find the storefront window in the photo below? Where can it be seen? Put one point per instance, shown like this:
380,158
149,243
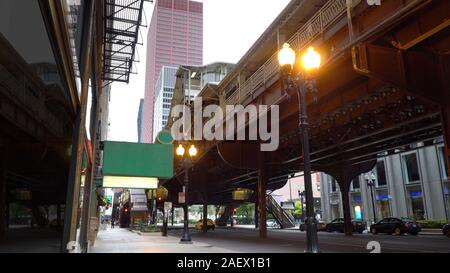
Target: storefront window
411,168
358,213
334,206
28,62
383,204
356,205
74,17
416,206
447,197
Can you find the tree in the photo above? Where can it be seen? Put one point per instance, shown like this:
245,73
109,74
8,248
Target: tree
298,210
245,213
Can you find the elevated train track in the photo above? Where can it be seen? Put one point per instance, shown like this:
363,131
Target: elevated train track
384,86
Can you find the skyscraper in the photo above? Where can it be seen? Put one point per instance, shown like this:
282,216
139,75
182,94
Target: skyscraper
175,38
139,121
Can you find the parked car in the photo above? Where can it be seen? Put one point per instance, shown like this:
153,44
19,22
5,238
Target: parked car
446,230
391,225
320,226
338,225
272,223
209,224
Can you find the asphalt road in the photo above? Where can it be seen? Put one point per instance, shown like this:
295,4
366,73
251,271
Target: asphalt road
288,241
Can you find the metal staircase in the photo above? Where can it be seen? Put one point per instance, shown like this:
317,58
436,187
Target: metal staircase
285,219
225,216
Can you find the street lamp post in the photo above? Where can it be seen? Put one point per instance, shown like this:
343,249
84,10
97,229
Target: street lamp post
370,179
301,194
303,83
186,164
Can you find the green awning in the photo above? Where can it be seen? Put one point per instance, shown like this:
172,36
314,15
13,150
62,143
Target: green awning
137,159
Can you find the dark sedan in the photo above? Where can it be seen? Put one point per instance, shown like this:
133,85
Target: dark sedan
338,225
446,230
395,226
320,226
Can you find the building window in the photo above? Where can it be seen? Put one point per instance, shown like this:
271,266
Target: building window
411,168
332,184
444,170
355,183
381,174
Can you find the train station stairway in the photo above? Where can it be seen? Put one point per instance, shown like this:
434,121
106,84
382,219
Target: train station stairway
284,219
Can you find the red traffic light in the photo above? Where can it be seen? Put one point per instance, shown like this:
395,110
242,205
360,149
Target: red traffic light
126,210
234,211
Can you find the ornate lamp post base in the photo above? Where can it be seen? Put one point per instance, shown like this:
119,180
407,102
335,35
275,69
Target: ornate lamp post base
186,239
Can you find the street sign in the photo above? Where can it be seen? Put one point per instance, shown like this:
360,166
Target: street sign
181,197
167,206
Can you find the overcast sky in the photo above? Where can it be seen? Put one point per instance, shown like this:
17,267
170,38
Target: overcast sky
230,29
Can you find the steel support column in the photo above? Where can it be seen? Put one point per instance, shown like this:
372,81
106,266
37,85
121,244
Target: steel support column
73,189
205,215
256,212
262,180
58,215
348,228
2,192
173,214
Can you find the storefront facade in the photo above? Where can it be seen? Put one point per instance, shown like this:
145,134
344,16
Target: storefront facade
412,184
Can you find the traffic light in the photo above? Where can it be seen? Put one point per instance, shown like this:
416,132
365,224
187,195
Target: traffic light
159,201
234,211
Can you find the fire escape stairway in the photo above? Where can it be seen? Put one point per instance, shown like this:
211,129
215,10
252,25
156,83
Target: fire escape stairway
284,219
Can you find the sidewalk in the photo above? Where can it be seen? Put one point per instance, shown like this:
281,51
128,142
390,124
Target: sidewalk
120,240
425,231
431,231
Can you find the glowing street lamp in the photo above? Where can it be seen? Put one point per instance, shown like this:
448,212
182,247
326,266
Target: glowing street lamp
286,56
180,150
192,151
187,164
310,61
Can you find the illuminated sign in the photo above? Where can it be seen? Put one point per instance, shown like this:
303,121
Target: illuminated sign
130,182
181,197
382,197
415,194
358,214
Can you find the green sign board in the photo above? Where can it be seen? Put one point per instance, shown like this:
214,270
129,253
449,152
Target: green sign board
137,159
164,137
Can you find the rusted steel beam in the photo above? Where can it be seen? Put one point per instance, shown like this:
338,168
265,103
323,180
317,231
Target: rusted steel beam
415,72
426,23
3,190
262,209
239,155
205,214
